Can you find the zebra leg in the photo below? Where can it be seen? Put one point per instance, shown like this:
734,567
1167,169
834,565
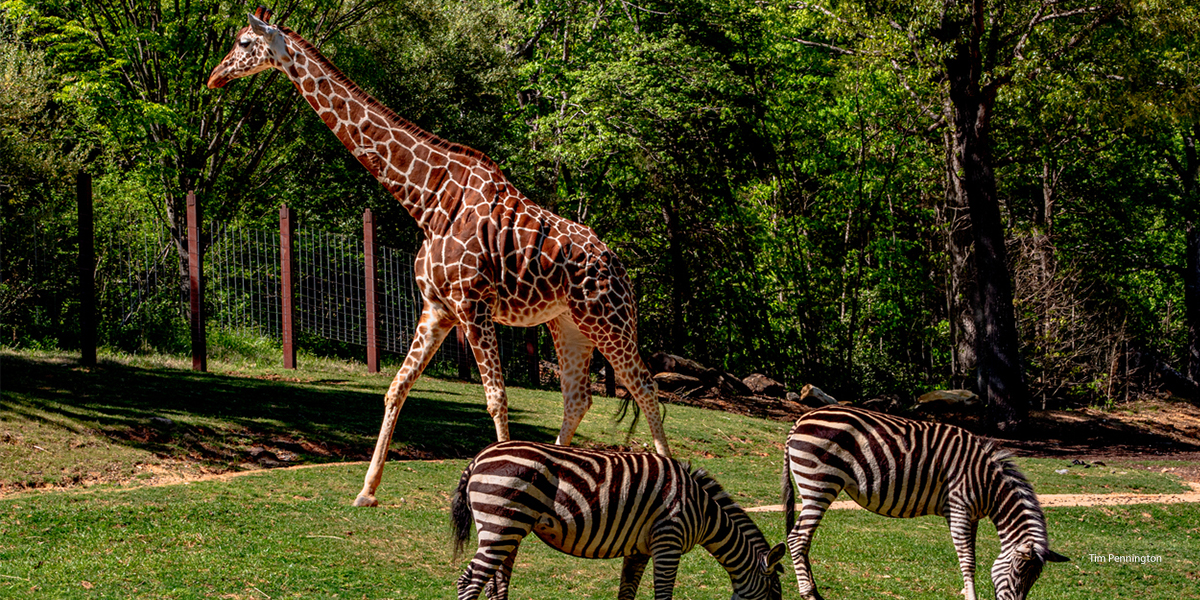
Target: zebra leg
631,575
962,532
494,558
497,587
799,539
666,567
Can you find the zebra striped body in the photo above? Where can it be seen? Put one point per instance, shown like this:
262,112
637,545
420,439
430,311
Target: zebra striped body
899,467
601,504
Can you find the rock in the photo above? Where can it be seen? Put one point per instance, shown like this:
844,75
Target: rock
732,386
811,395
793,397
887,403
661,362
673,382
764,386
943,399
163,421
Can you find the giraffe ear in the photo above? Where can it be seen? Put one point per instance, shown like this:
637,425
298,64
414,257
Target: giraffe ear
271,35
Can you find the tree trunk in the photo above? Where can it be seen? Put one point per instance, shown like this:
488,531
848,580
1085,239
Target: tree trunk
999,374
1191,270
1191,300
960,288
679,277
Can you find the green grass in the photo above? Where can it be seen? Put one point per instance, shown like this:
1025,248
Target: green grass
292,534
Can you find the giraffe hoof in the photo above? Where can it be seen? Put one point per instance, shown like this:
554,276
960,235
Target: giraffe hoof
366,501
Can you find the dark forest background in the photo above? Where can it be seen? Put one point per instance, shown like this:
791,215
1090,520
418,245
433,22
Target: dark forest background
881,198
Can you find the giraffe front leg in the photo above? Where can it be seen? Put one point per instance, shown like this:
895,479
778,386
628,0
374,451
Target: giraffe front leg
962,532
481,333
574,352
431,331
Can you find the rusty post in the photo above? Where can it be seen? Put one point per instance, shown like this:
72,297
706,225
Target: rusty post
196,284
372,299
287,230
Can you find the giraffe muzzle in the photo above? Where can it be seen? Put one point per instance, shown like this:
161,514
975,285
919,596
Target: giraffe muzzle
217,79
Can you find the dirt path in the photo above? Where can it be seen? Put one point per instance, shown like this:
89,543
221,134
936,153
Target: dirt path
1055,500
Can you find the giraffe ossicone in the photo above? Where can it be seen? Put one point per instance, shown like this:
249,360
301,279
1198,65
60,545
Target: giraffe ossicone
490,255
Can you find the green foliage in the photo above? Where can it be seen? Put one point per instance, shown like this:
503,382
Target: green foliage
774,177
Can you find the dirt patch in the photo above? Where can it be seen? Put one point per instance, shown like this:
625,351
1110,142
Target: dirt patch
1049,500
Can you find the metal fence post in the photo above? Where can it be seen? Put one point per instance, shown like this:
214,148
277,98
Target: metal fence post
196,284
87,271
369,284
287,230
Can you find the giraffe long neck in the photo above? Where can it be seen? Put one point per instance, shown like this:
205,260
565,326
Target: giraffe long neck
411,164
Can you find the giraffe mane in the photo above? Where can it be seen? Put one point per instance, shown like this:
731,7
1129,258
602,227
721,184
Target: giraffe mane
370,101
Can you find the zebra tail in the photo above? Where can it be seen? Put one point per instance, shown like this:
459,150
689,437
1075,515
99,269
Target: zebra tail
788,496
460,513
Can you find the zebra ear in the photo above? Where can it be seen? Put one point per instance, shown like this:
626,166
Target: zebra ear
1052,556
770,561
1024,551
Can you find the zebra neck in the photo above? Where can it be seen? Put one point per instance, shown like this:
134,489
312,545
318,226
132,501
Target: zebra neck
1016,512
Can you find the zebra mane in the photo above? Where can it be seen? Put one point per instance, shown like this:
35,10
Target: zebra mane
1014,481
731,508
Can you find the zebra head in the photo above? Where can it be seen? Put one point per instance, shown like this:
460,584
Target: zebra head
762,582
1015,571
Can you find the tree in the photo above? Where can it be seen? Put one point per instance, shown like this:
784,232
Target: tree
973,50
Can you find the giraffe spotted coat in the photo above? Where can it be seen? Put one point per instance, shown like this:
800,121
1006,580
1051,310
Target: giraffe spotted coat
490,255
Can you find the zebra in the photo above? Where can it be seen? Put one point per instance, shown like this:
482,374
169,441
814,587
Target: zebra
604,504
900,467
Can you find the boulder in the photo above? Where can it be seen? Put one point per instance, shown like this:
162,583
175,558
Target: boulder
811,395
661,362
764,386
674,382
888,403
732,386
943,399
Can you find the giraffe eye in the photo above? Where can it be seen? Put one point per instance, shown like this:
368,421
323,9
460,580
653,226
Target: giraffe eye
244,43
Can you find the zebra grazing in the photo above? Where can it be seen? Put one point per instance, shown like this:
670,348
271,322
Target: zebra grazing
602,504
899,467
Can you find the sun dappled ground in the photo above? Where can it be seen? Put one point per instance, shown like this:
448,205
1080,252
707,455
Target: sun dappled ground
137,421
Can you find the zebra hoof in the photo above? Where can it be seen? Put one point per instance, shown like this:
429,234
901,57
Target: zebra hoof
366,501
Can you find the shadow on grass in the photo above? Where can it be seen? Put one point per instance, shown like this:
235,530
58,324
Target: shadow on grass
228,420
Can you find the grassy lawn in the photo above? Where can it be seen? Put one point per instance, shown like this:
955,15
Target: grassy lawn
290,533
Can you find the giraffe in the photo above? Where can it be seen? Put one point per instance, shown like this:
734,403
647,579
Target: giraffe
489,255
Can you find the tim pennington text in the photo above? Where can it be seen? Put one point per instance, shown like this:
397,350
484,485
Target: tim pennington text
1124,558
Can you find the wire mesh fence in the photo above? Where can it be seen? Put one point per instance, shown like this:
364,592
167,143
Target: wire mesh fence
142,290
244,272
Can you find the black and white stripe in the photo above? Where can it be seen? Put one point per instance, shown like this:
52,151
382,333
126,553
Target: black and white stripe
603,504
899,467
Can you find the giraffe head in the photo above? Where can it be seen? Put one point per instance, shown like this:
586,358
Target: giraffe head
260,46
